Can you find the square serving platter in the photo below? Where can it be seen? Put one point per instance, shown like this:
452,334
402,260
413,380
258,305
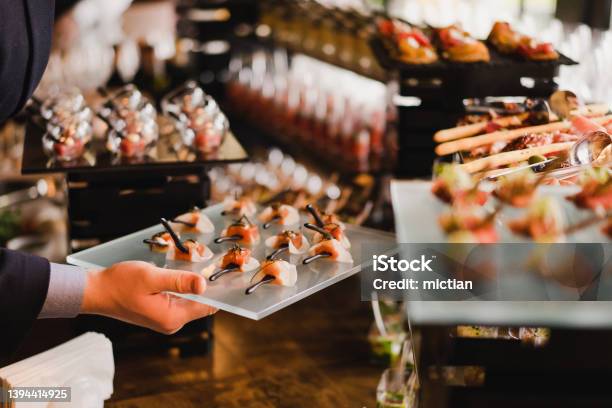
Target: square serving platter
227,292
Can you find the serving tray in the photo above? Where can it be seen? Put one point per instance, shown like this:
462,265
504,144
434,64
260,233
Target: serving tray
446,80
418,222
97,159
227,292
390,60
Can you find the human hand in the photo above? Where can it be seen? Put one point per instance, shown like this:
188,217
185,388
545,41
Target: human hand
133,292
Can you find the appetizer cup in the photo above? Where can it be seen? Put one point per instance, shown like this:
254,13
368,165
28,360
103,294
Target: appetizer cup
203,134
69,125
197,117
132,122
134,140
67,143
65,107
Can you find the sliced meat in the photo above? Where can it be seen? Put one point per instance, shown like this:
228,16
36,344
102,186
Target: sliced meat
533,140
582,125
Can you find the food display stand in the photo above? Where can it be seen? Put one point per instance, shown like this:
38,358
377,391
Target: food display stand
109,197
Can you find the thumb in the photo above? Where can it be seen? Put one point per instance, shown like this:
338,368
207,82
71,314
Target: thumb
179,281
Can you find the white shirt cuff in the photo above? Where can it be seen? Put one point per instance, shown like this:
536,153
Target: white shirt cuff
65,293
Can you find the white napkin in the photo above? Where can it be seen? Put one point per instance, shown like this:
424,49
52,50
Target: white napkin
85,364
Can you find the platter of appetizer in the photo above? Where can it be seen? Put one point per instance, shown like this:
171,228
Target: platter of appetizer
400,44
458,208
558,134
256,260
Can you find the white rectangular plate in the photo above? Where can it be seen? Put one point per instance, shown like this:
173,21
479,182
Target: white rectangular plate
227,292
417,211
416,218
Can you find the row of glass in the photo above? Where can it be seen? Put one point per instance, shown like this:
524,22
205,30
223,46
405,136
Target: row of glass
131,121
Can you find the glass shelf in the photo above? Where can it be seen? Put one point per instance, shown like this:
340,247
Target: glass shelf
165,155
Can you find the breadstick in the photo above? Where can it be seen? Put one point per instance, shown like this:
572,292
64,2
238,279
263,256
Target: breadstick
459,132
504,158
506,135
476,141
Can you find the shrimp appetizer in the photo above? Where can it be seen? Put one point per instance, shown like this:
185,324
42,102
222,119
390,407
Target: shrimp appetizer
454,185
281,214
543,222
237,259
469,225
196,252
596,193
195,222
238,207
324,218
242,231
159,242
329,249
335,229
517,189
293,241
189,250
275,272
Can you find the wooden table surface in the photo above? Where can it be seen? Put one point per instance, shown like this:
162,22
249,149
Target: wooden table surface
312,354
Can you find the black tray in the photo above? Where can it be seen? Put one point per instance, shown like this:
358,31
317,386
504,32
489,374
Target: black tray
502,76
442,66
98,159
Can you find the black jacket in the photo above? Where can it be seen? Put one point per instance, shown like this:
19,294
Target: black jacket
24,280
25,42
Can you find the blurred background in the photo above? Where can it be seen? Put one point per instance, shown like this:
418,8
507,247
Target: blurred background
321,118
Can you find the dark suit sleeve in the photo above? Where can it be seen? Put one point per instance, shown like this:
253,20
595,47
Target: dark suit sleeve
24,280
25,43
